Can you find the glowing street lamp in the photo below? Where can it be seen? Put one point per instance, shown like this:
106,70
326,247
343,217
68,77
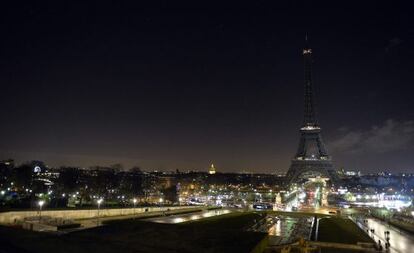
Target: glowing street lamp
135,203
99,201
40,203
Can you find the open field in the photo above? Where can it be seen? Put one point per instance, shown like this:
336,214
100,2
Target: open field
341,231
216,234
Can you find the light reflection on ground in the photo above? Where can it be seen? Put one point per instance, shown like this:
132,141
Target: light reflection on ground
286,229
188,217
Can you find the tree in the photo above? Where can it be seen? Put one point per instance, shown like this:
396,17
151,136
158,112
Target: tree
69,178
103,180
6,169
131,182
22,176
170,194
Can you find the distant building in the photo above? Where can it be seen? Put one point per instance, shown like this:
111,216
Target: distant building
6,167
348,173
8,163
212,170
352,173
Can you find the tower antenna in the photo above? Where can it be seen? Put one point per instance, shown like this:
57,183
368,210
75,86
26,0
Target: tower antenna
306,40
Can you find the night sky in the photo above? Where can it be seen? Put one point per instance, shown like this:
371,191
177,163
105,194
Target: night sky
168,86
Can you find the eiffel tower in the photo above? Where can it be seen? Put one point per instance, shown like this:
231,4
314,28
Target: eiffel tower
311,156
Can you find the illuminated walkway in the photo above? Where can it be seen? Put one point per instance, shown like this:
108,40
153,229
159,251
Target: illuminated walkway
189,216
401,242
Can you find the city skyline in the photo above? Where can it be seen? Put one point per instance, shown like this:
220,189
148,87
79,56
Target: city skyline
181,88
161,126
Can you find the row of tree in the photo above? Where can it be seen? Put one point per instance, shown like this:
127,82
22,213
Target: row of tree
24,184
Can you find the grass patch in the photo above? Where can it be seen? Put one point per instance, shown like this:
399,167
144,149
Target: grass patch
215,234
341,231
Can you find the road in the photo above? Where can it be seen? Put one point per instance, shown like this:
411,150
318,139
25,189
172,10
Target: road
188,217
284,229
308,202
400,242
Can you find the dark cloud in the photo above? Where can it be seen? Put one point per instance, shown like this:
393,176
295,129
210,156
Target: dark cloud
392,135
393,43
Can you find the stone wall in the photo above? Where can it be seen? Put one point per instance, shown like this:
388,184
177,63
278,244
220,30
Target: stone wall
16,216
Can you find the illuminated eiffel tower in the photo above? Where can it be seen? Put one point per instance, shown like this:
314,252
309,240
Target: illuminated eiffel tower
311,156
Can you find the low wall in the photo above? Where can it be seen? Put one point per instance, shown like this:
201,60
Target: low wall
17,216
328,247
398,224
261,246
35,226
358,247
401,225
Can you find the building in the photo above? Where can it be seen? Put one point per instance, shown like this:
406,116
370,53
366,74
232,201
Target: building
212,170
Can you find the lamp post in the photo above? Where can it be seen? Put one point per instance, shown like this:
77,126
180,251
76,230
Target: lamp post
161,200
99,201
135,203
40,203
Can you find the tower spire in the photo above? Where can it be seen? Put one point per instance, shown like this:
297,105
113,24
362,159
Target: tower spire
311,158
309,119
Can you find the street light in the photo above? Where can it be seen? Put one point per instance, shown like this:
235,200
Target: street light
135,202
99,201
40,203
